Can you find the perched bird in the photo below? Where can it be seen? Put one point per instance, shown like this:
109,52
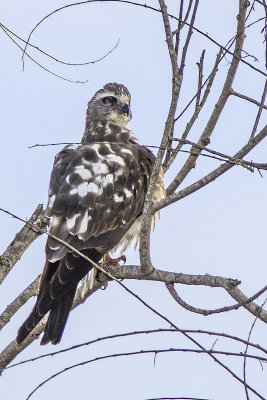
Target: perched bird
96,196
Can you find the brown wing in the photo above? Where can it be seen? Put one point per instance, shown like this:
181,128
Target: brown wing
96,193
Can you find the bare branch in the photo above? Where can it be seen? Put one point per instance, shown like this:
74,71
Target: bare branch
22,241
250,306
54,58
247,98
205,136
142,352
211,176
181,23
246,350
129,272
11,309
257,120
176,398
243,163
137,333
13,349
188,37
145,259
230,285
250,165
200,77
148,8
171,157
36,62
181,302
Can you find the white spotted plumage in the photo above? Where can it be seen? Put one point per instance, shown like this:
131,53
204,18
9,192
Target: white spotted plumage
96,197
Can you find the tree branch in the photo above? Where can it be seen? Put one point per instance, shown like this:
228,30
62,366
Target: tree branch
257,120
211,176
22,241
247,98
205,136
142,352
181,302
230,285
145,259
11,309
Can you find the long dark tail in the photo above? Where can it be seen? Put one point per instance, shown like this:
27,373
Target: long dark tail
57,319
56,322
28,326
57,291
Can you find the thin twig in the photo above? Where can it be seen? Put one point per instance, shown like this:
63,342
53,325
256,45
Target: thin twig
200,77
142,352
247,98
22,241
137,333
56,59
181,302
16,304
178,71
221,156
181,24
219,106
110,276
36,62
209,81
257,120
171,198
19,348
147,7
246,164
145,259
246,350
188,37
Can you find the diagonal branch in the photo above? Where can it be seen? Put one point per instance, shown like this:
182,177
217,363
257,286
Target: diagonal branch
153,351
257,120
22,241
137,333
247,98
181,302
205,136
211,176
145,259
12,308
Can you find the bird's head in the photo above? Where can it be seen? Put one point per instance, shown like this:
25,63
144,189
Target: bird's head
110,104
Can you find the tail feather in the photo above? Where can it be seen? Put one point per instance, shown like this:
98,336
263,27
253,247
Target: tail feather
57,319
57,290
28,325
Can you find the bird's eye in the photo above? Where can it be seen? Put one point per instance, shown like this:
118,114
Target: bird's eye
107,100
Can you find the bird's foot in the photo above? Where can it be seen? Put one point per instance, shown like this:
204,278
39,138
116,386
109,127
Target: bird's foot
114,261
107,260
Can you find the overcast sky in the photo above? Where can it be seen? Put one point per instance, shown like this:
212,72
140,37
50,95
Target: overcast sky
220,230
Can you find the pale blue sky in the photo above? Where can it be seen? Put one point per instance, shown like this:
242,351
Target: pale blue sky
220,230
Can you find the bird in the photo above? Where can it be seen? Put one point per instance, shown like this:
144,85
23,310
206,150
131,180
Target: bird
95,201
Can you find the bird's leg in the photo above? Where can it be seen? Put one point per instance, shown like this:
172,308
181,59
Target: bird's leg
116,261
106,260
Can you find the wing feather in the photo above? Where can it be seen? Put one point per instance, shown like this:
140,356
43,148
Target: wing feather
95,189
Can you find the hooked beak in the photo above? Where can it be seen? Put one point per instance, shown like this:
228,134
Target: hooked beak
124,108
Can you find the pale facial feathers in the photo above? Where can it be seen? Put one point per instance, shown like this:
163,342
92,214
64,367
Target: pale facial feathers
109,105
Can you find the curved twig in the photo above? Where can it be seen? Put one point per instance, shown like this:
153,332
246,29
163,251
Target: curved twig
143,352
22,241
148,8
137,333
179,300
56,59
